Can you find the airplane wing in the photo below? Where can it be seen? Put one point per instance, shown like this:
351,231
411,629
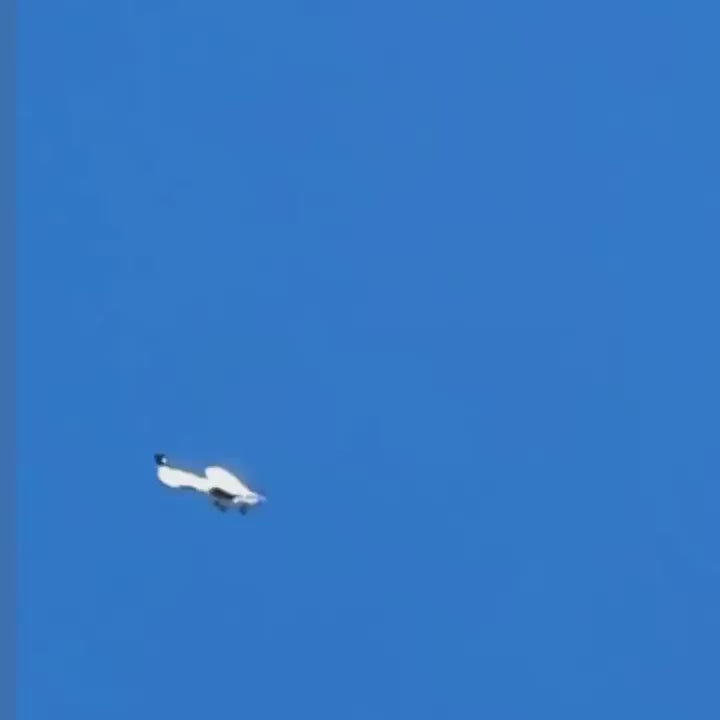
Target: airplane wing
222,479
220,494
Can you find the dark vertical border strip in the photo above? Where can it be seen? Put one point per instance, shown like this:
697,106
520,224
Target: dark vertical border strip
7,358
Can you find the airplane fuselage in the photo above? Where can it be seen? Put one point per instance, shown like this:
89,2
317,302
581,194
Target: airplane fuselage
227,501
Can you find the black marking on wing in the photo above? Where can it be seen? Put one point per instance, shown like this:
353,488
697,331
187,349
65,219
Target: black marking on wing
218,493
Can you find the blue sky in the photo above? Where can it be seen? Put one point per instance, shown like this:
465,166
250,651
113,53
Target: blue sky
441,278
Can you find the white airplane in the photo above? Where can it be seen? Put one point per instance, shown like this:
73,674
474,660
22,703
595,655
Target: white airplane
225,490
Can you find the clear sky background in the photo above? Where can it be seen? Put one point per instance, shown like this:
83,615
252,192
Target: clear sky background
442,279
